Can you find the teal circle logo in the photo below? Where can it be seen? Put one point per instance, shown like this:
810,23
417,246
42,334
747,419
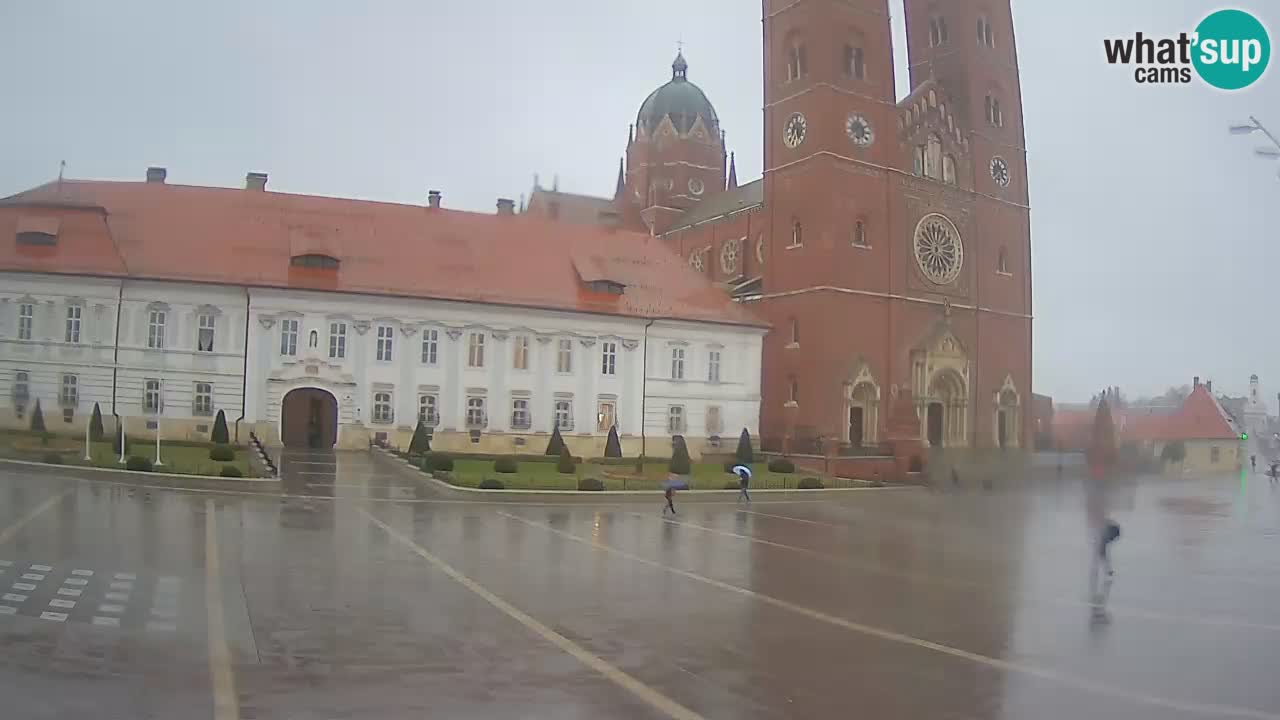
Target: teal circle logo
1232,49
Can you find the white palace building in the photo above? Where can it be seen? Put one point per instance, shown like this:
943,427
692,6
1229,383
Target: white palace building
325,322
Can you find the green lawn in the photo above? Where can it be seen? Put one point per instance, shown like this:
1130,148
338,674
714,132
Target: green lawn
544,476
183,459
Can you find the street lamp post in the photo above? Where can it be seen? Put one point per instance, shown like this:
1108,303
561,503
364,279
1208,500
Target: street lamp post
1254,126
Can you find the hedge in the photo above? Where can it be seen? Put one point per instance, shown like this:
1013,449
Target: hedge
810,483
432,462
139,463
492,484
53,458
505,465
781,465
590,484
222,453
231,471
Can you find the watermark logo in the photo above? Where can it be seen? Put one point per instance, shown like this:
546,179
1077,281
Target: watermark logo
1229,50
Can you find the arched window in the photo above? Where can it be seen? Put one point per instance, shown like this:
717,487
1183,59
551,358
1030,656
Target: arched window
314,339
933,158
994,116
794,391
855,65
937,31
795,331
949,169
797,234
1002,262
917,160
797,61
986,35
933,99
860,233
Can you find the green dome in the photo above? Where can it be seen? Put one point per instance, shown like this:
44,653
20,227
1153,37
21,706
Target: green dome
680,100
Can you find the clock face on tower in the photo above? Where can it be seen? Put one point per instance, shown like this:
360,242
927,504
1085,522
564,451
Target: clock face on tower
1000,171
793,132
859,130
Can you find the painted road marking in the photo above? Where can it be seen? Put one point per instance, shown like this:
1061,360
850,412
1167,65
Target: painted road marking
1011,666
75,581
32,576
655,699
117,596
226,706
55,616
6,610
117,585
24,586
6,563
158,626
85,573
62,603
9,532
117,609
125,576
164,613
42,568
13,597
106,621
69,592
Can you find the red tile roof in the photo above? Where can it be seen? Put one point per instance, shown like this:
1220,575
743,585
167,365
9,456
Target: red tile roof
247,237
1200,417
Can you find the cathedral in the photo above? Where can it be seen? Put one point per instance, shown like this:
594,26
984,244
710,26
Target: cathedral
887,243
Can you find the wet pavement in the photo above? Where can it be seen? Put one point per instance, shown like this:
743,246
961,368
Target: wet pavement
385,602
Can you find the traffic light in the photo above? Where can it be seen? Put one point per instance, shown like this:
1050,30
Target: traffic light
1244,436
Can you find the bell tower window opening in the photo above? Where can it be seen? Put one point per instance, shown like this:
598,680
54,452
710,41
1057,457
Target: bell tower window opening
986,35
855,62
933,158
937,31
797,234
995,118
797,61
949,169
1002,262
860,234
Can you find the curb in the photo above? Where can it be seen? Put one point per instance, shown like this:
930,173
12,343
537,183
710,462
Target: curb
141,474
477,493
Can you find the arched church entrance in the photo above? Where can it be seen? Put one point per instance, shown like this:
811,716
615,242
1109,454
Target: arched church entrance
309,419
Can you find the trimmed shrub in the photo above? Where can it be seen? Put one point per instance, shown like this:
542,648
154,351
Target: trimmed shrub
52,458
556,444
444,476
219,435
222,453
420,443
231,471
731,485
505,465
37,419
781,465
810,483
613,446
433,462
624,462
492,484
138,462
680,463
744,454
96,433
565,464
590,484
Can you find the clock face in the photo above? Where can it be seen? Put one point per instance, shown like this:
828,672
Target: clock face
859,130
793,133
1000,171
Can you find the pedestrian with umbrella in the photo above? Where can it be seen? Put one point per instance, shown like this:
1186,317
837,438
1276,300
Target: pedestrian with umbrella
744,479
674,482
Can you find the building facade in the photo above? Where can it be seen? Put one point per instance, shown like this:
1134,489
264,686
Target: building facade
319,322
888,242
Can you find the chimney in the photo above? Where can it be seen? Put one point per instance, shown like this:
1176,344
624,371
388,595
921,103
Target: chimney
1208,385
255,181
433,199
156,175
506,206
1195,382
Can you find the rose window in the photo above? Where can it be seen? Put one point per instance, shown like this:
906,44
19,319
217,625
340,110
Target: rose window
695,261
729,257
939,250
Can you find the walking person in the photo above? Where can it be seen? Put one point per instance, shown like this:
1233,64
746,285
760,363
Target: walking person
1253,463
1274,472
744,479
1102,572
670,493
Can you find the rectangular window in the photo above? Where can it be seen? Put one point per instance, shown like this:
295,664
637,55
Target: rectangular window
715,425
564,414
609,358
854,65
26,319
289,337
713,366
428,410
675,419
430,346
677,363
476,415
520,359
520,418
204,333
382,412
202,404
337,340
70,394
385,333
73,324
1214,454
151,397
21,386
155,329
475,350
564,356
606,415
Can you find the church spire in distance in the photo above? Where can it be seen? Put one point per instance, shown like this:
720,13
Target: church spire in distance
733,172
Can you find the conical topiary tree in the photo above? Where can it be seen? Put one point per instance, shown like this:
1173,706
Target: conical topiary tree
613,446
120,444
1102,451
680,464
420,444
219,435
565,463
37,419
744,454
96,433
557,443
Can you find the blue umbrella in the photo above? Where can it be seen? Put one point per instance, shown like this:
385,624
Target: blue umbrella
676,483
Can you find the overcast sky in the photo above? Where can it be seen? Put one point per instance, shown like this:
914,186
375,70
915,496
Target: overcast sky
1153,230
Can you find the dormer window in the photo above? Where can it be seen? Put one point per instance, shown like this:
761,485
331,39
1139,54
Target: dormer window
37,231
325,262
607,287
